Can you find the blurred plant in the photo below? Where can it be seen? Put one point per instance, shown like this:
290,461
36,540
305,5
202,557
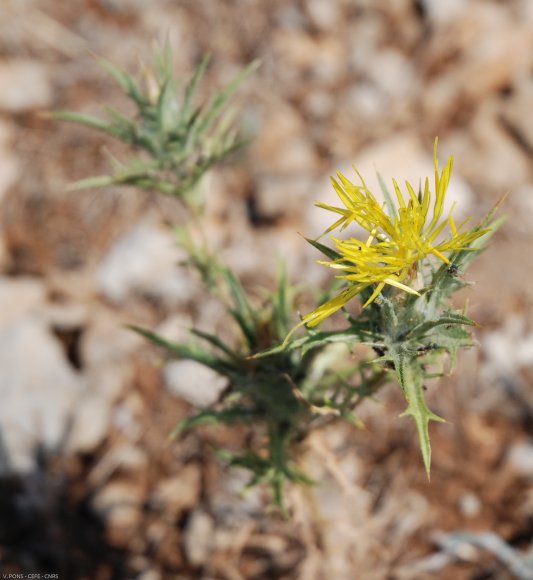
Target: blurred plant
179,139
404,273
407,317
280,397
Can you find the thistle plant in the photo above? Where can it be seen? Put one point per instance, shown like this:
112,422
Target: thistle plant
402,273
279,397
178,140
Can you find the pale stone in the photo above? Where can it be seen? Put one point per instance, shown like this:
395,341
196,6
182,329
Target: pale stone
26,86
38,390
144,261
324,15
442,13
107,342
90,424
194,382
394,74
198,541
20,296
520,458
367,101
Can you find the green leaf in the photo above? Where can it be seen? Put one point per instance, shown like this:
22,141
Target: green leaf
230,415
163,61
190,352
410,376
447,319
92,182
209,113
331,254
282,303
215,341
167,107
315,340
125,81
242,311
87,121
192,87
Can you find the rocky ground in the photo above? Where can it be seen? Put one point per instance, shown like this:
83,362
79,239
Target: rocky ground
91,487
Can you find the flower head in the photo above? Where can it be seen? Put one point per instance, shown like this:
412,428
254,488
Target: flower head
395,243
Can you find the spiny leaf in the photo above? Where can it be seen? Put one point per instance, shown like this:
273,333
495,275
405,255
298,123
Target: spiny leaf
447,319
125,81
192,87
167,107
315,340
331,254
230,415
410,377
209,113
189,351
281,302
242,311
217,342
92,182
87,121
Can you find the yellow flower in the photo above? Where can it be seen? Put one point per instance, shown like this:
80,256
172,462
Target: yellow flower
396,243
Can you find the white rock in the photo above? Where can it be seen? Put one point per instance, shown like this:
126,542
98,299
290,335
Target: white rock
442,13
18,297
282,196
127,416
367,100
26,86
401,157
107,342
324,15
393,73
319,104
521,459
507,350
197,384
38,390
198,540
469,504
90,425
176,328
145,261
69,315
